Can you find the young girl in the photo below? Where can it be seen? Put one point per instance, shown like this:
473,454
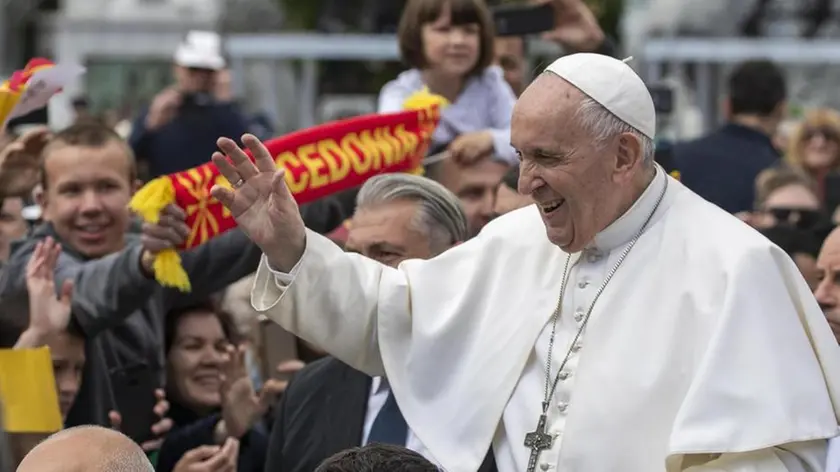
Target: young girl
449,45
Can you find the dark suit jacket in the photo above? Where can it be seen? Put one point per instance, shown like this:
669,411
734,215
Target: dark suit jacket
722,166
321,413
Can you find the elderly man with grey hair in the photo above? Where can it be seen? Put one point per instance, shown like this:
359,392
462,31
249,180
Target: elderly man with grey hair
329,406
620,323
401,216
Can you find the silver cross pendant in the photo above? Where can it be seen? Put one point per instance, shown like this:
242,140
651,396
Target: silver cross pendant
537,441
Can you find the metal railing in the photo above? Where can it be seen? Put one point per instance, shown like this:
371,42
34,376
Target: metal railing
310,48
708,59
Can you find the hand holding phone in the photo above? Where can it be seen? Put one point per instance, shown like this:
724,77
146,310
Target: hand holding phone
523,20
135,388
158,430
574,26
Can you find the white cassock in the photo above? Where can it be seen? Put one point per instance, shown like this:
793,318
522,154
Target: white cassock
706,352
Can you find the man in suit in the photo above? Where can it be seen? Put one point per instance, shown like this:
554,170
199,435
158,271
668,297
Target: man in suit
329,406
722,166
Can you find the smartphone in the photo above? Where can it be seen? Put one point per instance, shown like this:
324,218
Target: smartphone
196,100
134,392
277,346
523,20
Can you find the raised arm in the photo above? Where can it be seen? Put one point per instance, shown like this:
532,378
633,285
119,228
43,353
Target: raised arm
265,210
105,290
330,299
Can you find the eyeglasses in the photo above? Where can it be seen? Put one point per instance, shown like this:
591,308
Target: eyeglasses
826,132
800,218
200,70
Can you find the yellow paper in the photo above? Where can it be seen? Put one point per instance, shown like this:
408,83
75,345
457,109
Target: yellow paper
8,100
27,391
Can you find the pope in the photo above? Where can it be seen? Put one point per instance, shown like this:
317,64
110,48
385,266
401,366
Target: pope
621,323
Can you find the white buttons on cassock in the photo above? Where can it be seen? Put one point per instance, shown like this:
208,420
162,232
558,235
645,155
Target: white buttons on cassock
577,346
562,406
579,315
545,466
583,283
564,375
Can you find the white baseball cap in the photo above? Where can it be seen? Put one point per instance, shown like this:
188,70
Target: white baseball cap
613,84
201,50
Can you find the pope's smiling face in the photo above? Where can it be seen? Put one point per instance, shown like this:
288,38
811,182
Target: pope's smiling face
580,188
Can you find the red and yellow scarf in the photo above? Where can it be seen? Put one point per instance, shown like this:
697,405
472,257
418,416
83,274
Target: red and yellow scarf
320,161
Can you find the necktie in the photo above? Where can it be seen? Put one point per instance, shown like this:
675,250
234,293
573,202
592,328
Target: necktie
389,427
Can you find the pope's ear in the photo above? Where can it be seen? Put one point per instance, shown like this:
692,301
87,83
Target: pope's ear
630,152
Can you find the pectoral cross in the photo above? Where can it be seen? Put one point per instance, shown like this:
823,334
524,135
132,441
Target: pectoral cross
538,441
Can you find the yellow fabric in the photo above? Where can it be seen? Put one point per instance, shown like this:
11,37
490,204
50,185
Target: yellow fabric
424,100
27,391
8,100
169,272
148,202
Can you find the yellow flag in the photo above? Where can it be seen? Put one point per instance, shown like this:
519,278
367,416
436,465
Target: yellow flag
27,391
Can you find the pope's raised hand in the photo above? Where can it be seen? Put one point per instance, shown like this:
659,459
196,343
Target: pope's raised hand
260,201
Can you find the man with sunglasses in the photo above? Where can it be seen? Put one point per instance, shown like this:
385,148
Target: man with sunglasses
179,129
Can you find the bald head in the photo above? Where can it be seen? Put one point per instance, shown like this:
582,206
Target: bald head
86,449
832,242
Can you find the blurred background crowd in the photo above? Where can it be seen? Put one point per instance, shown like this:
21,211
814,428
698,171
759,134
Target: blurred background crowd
747,116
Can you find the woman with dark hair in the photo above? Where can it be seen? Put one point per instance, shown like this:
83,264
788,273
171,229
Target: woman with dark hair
212,398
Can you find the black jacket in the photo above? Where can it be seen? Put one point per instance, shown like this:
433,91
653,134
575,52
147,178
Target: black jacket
191,431
118,309
321,413
722,166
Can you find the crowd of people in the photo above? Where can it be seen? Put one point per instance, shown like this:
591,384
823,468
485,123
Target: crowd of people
154,378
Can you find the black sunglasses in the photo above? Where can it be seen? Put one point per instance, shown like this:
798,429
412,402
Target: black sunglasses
828,133
798,217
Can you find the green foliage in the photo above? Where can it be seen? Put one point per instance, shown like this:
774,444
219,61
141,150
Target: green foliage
609,14
301,14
